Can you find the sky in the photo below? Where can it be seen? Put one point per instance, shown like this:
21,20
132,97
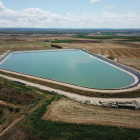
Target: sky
70,14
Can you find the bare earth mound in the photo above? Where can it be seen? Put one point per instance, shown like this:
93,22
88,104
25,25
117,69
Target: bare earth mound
74,112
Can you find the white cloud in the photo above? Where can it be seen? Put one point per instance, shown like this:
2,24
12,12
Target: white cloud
109,6
1,6
92,1
129,20
39,18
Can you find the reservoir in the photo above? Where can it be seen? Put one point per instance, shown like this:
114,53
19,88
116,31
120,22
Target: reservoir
69,66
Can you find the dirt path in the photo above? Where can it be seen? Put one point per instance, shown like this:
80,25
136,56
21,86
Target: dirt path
11,125
7,104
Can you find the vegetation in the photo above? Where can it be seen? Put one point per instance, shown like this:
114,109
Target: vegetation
16,93
17,110
2,120
63,41
1,111
111,57
44,129
11,109
17,100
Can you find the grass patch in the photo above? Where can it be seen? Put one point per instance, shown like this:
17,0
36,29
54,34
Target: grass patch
63,41
45,129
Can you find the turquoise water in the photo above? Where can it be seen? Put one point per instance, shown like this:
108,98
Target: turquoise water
74,67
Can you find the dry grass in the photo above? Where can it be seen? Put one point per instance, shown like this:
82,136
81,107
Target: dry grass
100,45
73,112
133,62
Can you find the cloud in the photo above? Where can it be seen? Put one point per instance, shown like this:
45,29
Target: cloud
39,18
129,20
109,6
92,1
1,6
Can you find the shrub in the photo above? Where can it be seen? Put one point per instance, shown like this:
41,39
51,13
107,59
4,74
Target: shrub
1,111
36,99
11,108
2,120
17,110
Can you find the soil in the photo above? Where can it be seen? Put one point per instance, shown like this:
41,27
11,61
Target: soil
131,53
73,112
100,45
135,62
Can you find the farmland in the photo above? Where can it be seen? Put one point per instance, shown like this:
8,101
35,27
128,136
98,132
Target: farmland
33,113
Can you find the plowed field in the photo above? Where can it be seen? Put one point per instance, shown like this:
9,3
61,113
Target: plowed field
131,53
100,45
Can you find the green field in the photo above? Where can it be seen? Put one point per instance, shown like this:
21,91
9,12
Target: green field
63,41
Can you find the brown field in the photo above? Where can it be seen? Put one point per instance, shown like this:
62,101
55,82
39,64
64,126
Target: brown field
132,53
133,62
69,111
127,56
100,45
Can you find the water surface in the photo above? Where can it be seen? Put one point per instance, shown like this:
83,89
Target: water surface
74,67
